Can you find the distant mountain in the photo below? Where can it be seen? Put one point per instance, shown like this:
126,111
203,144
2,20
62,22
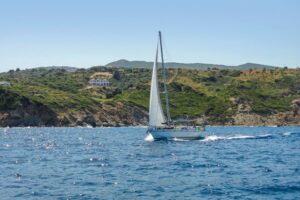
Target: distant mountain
202,66
253,66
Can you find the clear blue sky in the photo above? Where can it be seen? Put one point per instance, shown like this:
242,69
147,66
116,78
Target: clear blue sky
94,32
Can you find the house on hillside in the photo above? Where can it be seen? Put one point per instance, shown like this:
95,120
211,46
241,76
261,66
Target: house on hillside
99,82
4,83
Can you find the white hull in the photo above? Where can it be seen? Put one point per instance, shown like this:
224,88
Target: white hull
168,134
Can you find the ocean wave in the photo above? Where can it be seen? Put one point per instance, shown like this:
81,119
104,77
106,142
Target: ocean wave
234,137
209,138
289,133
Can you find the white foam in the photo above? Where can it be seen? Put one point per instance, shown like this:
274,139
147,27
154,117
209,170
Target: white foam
287,133
241,137
264,136
213,138
149,138
234,137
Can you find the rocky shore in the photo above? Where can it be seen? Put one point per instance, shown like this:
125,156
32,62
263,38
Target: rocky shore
38,115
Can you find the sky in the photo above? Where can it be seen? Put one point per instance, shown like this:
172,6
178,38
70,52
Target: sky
85,33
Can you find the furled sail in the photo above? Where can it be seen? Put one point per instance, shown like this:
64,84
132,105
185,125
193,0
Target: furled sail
156,115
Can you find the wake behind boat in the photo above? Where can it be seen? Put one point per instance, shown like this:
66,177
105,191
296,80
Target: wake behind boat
161,127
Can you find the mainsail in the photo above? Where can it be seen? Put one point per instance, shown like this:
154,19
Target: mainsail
156,114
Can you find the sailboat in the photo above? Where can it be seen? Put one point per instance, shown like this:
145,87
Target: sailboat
161,126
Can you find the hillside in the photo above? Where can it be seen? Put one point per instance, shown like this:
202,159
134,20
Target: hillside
57,97
199,66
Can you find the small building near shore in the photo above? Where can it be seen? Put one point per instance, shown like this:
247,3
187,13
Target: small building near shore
99,82
4,83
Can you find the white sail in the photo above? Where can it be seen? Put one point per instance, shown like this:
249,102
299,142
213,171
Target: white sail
156,115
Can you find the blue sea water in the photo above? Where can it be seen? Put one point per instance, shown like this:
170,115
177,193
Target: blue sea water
119,163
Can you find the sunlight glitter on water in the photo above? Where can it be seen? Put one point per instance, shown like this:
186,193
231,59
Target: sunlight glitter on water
121,163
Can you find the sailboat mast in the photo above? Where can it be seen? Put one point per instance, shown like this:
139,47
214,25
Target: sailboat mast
164,80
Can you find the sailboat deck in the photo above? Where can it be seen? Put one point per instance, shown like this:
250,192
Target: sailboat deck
178,129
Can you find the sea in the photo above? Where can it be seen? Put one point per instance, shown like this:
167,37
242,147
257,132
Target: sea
125,163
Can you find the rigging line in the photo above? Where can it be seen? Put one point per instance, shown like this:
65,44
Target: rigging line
168,57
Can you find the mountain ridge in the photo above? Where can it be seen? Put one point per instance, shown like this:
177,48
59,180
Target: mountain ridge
123,63
201,66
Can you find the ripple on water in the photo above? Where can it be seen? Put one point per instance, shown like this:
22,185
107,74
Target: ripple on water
120,163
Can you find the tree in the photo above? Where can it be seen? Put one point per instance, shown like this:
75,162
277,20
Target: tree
117,75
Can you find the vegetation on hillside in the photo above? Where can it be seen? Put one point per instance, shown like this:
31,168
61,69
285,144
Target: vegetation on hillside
217,94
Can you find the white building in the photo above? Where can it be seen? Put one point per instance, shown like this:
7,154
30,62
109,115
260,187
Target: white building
99,82
4,83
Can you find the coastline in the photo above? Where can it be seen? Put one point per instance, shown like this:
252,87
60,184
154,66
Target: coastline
144,126
216,97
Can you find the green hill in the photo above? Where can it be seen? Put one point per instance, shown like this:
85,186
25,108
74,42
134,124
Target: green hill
58,97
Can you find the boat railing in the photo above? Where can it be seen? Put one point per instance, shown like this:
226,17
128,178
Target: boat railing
179,129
